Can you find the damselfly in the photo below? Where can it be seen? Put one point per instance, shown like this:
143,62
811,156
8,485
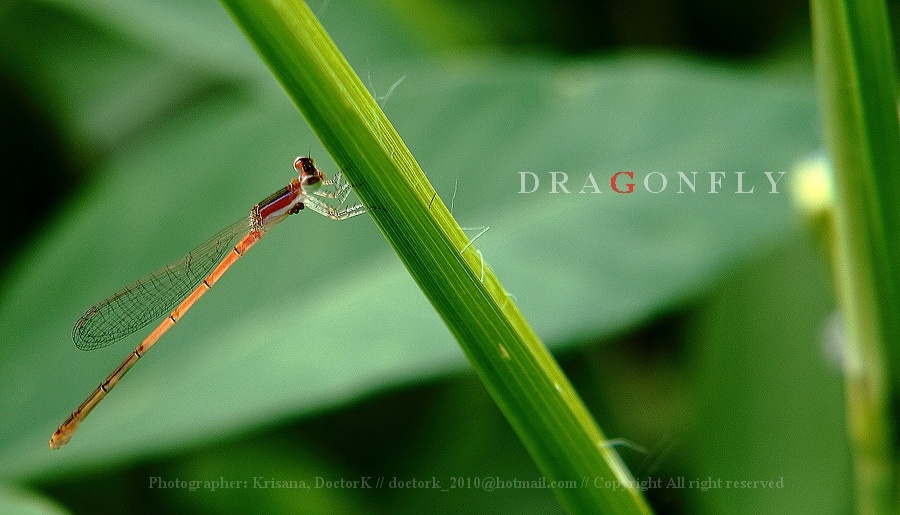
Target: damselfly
174,288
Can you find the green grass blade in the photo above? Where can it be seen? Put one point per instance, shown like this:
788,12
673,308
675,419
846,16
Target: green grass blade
858,93
520,374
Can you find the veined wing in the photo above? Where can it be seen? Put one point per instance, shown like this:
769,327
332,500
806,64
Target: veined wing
154,295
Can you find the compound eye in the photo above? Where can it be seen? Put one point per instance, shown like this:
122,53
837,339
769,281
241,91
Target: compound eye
302,164
310,176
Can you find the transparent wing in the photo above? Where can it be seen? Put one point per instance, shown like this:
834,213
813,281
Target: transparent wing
154,295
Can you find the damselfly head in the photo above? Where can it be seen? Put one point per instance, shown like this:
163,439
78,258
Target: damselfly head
311,178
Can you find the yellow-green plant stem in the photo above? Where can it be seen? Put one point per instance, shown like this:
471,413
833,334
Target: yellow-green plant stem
857,89
518,371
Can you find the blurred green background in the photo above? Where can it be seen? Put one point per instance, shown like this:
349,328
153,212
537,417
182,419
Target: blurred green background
696,327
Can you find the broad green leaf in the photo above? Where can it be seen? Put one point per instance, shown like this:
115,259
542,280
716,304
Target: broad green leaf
319,313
